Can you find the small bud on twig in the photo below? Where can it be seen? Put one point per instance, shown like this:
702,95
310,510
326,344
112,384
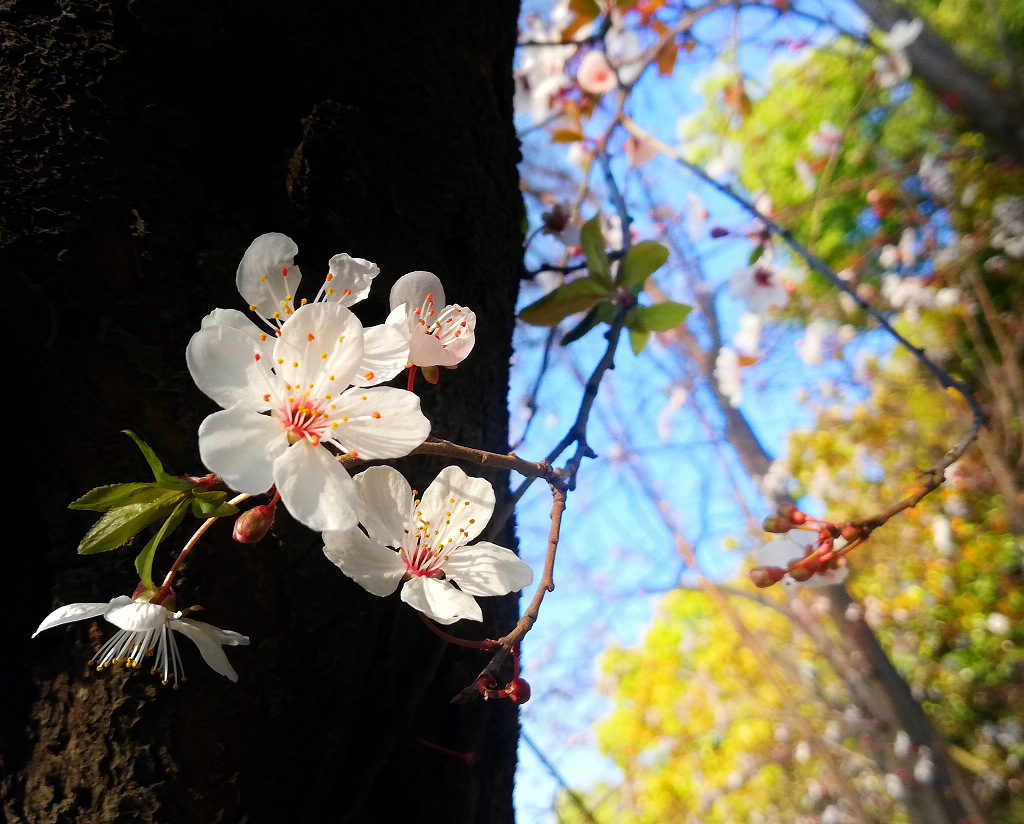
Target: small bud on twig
253,524
766,576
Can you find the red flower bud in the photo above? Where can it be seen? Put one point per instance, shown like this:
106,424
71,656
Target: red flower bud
253,524
850,533
766,576
518,690
718,231
777,523
805,571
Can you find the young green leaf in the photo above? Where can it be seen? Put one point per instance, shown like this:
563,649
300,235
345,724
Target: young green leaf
160,475
121,524
144,562
592,241
103,498
578,296
658,318
640,262
602,313
638,340
204,508
755,255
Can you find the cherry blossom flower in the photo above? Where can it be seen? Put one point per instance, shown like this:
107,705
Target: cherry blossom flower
638,152
747,339
805,174
727,373
826,139
145,629
893,68
281,412
437,336
423,542
595,75
696,214
785,550
759,287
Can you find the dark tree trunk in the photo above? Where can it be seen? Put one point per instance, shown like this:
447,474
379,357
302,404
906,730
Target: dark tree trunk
148,142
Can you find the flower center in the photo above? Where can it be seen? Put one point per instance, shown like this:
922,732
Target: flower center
303,418
423,562
762,277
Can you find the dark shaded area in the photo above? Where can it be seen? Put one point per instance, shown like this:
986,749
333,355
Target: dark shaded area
148,142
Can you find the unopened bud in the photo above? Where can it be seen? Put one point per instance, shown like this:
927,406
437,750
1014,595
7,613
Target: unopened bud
518,690
777,523
805,571
253,524
792,513
850,533
718,231
766,576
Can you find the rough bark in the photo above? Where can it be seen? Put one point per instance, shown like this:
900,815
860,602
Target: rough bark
148,142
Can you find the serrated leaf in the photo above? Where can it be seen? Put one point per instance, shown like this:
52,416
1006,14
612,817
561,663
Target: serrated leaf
602,313
658,318
638,340
212,509
212,495
568,299
160,475
121,524
103,498
640,262
144,561
592,241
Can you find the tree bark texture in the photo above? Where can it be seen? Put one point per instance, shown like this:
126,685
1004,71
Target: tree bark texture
147,143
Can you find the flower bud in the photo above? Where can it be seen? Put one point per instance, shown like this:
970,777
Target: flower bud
719,231
850,533
805,571
777,523
518,690
253,524
766,576
792,513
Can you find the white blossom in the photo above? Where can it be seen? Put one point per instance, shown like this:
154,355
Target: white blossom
595,75
424,542
759,287
438,334
148,629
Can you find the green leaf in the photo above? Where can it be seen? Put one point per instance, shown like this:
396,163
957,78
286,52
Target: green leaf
103,498
602,313
640,262
658,318
592,241
755,255
212,509
165,480
144,563
121,524
578,296
638,340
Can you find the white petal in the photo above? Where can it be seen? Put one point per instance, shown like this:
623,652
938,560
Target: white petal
137,616
375,568
241,446
412,290
385,354
385,504
466,515
242,322
427,350
209,640
74,612
315,488
383,422
223,362
440,601
321,344
260,279
487,569
349,279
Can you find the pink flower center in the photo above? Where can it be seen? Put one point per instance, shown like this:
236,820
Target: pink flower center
423,562
762,277
302,418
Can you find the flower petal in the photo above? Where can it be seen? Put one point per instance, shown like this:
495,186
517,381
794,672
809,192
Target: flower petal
412,290
241,322
315,488
375,568
320,348
268,275
382,422
385,354
209,640
385,505
224,362
75,612
137,616
487,569
241,446
460,520
441,601
349,279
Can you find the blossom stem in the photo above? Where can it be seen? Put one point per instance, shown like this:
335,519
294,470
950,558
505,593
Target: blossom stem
412,377
486,646
165,587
